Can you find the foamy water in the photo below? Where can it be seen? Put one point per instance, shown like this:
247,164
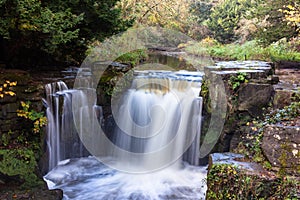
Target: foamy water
87,178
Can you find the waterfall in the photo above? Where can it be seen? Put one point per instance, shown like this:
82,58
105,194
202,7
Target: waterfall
62,138
160,109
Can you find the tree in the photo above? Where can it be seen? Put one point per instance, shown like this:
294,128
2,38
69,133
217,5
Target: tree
271,22
34,30
202,10
292,15
165,13
224,19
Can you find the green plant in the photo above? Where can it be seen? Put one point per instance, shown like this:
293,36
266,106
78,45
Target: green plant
236,80
287,113
5,139
224,19
250,50
226,181
34,28
20,162
133,58
38,118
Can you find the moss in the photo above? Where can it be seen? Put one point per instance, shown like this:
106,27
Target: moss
133,58
227,181
22,163
204,93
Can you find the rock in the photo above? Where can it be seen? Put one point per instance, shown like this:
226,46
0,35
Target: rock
281,146
8,111
234,159
287,65
22,77
283,97
231,178
253,97
36,193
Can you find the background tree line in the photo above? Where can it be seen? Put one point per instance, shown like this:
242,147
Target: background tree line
39,32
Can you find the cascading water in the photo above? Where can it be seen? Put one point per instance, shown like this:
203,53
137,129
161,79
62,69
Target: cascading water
160,109
63,141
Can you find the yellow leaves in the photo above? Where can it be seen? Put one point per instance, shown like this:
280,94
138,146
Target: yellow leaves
26,26
25,105
10,93
38,118
292,15
11,84
39,123
6,87
290,7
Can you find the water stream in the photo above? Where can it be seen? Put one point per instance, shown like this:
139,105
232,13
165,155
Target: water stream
160,109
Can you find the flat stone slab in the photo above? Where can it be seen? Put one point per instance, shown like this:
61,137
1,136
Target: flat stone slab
241,65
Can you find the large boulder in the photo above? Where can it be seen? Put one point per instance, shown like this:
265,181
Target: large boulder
253,97
281,146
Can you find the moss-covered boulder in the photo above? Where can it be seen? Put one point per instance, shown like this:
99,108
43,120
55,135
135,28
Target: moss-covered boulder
281,146
229,177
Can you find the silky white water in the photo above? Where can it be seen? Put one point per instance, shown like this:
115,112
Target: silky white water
161,109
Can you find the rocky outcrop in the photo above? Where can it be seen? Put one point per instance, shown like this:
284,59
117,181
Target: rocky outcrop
249,88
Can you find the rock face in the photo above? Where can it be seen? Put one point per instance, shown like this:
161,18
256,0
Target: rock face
14,131
281,146
25,90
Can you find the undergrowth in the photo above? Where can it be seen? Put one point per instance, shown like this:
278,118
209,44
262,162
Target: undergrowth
250,50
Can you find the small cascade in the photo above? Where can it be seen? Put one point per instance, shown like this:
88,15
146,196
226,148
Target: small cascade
62,138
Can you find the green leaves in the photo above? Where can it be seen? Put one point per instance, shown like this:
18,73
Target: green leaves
20,162
224,19
236,81
57,28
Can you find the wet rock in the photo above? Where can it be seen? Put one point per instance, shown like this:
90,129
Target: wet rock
257,69
281,146
246,97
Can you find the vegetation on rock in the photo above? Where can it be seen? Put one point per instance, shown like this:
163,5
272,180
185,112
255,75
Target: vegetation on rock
227,181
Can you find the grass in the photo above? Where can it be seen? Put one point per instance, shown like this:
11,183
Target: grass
250,50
